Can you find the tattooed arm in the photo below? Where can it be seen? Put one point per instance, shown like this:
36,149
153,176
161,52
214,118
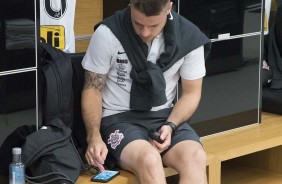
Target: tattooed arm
91,103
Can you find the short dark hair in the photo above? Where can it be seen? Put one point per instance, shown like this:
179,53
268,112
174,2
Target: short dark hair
149,7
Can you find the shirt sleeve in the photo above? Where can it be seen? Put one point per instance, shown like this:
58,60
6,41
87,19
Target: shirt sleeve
99,53
193,66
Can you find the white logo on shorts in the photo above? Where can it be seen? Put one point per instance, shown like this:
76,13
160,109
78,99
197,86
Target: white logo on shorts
115,139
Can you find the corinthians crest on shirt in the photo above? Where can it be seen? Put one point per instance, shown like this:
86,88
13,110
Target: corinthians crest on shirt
115,139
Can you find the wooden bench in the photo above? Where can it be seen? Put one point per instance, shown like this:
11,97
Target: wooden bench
248,155
127,177
124,177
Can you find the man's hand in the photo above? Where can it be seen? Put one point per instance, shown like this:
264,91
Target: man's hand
96,152
165,135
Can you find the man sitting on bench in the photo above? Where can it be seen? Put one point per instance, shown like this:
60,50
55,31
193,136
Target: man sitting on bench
132,68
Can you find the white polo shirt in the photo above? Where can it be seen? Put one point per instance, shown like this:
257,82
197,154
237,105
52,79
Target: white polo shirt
105,55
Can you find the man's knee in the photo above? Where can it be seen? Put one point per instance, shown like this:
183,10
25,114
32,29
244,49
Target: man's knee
199,156
140,158
150,160
149,167
192,155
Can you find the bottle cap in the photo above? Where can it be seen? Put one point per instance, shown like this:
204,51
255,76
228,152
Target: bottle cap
44,127
17,151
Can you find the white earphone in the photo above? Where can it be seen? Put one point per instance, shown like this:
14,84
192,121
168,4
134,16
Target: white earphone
170,16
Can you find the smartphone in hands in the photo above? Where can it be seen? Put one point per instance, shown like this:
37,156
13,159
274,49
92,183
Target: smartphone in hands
104,176
154,135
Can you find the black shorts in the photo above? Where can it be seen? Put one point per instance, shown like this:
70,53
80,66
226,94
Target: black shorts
117,135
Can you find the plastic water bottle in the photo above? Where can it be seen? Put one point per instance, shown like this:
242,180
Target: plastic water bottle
16,168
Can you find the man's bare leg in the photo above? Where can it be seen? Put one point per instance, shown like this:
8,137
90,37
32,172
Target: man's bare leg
141,158
189,159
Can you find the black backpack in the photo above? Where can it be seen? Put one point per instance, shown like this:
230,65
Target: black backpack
57,94
50,155
57,101
63,78
62,81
